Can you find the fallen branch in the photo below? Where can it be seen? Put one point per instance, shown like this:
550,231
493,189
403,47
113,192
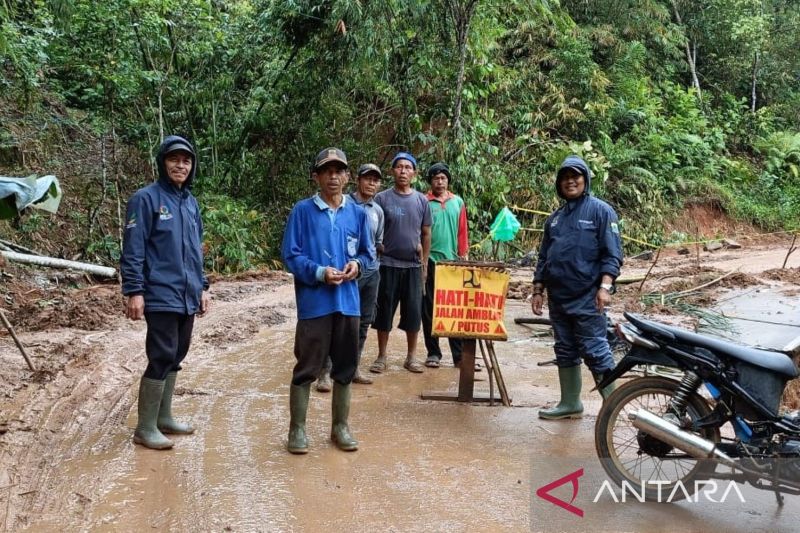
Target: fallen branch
10,329
792,248
97,270
704,285
17,248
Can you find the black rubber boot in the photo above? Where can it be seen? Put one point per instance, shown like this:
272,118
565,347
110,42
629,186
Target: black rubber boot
298,407
340,407
166,423
147,433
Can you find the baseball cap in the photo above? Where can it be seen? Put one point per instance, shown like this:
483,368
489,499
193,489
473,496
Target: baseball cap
330,154
405,155
179,146
369,168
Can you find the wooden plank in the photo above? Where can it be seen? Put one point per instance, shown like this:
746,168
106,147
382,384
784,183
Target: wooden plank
452,396
466,374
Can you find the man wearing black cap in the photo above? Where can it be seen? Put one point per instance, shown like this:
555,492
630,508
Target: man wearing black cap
579,258
368,181
164,283
327,244
449,242
407,236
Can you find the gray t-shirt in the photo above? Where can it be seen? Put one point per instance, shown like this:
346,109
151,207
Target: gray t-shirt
375,217
404,215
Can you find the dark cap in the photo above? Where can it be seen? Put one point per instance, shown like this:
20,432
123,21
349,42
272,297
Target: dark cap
577,170
328,155
438,168
369,168
179,147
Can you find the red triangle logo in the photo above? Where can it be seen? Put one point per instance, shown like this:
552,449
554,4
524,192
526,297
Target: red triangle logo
544,492
499,329
440,326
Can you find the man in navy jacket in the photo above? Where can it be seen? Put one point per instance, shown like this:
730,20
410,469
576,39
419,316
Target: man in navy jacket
579,258
327,245
164,283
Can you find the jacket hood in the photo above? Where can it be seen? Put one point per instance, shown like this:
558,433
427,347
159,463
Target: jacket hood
577,163
169,142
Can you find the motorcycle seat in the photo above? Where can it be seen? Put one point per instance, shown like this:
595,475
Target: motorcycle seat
774,361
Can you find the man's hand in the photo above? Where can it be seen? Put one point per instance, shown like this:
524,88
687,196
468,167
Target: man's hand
536,303
333,276
205,304
350,271
134,307
602,299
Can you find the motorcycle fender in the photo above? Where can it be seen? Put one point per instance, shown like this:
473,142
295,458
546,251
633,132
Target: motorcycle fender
637,356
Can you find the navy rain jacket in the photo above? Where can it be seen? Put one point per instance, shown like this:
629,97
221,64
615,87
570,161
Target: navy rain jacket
162,255
581,242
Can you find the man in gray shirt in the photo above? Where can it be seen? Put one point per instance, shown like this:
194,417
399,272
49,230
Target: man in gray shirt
407,229
368,182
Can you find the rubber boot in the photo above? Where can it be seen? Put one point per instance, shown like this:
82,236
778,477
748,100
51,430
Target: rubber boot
147,433
570,405
606,392
340,407
298,407
324,382
166,423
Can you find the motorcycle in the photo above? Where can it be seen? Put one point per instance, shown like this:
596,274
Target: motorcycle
658,432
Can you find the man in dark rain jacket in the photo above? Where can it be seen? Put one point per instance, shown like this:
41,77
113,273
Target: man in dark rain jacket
579,259
164,283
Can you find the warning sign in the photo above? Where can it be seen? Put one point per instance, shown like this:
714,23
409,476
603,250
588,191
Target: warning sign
469,302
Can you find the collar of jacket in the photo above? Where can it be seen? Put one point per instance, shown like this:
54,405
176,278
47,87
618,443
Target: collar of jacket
432,198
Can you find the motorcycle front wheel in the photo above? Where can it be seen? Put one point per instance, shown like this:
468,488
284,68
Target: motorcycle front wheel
643,462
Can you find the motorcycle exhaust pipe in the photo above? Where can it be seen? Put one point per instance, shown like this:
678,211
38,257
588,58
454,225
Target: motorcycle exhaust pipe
665,431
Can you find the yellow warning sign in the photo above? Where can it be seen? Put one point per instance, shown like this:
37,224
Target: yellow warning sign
469,302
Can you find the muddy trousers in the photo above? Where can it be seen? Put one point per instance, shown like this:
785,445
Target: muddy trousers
317,338
431,342
168,338
368,295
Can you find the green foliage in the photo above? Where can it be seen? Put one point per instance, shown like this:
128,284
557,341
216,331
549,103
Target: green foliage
237,238
261,85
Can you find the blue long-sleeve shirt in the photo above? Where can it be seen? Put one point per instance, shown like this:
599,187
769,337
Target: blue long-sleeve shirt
317,237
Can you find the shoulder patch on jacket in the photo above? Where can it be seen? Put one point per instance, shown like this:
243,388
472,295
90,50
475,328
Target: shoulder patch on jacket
614,228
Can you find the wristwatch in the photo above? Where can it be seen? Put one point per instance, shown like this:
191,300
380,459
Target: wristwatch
608,286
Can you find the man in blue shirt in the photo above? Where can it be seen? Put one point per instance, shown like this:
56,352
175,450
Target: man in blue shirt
368,181
164,283
579,259
326,246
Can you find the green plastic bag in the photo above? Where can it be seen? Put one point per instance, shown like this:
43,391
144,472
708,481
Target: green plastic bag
505,226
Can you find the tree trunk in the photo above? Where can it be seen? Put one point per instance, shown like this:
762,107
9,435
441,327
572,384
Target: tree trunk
754,82
54,262
462,16
691,58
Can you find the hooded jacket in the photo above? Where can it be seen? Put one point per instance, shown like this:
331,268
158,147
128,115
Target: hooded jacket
581,242
162,256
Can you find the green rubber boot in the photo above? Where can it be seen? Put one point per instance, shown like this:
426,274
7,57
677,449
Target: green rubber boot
298,407
340,406
166,423
570,405
147,433
606,392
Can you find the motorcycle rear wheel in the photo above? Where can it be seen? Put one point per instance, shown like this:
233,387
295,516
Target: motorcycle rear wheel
630,455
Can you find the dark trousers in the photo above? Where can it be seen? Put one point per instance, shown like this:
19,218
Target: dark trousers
581,336
431,342
368,293
167,343
315,339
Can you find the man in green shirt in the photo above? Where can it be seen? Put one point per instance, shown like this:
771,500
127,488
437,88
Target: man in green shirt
449,242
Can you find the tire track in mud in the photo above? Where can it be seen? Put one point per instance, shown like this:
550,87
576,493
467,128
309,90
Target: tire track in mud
82,412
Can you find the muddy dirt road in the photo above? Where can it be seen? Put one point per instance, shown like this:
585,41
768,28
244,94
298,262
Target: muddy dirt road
68,462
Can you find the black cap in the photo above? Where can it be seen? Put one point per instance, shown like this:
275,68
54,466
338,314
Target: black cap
179,147
330,154
369,168
439,168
